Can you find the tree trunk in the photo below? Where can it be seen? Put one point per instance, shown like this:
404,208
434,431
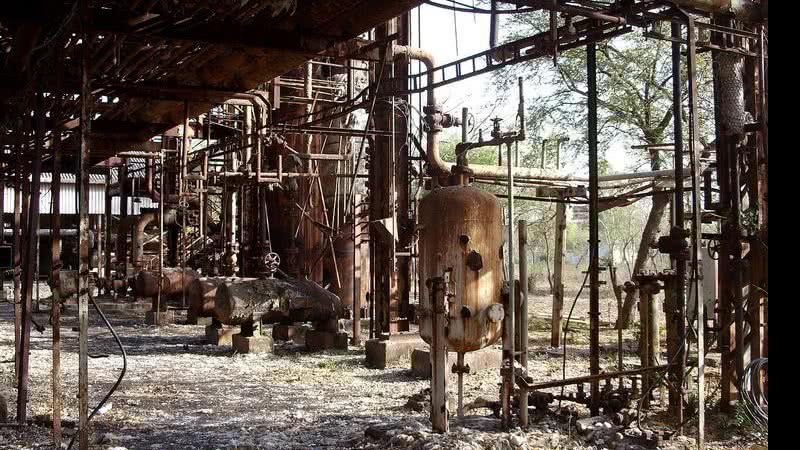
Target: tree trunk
650,232
275,300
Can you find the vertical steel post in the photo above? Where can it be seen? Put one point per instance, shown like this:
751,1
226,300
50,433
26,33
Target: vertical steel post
594,238
522,229
83,239
439,412
29,259
17,245
55,250
679,358
558,270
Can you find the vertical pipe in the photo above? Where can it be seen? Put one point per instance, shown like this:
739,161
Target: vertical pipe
108,223
122,247
676,374
594,238
522,229
494,25
186,148
697,246
83,240
558,270
508,325
161,200
464,121
29,260
439,413
356,275
460,363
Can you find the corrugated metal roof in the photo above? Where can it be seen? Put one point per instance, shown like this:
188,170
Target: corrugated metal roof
69,197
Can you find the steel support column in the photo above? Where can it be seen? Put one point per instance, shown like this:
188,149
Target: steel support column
55,269
594,227
83,239
29,259
679,313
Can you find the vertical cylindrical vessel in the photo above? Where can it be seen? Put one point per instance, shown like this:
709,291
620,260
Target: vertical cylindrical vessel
461,228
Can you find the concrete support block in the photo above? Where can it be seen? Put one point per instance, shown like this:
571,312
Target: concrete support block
380,353
164,317
204,321
487,358
252,344
285,332
220,335
323,340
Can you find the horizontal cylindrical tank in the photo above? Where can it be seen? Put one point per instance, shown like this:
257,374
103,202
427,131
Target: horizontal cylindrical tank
275,300
173,281
461,228
201,293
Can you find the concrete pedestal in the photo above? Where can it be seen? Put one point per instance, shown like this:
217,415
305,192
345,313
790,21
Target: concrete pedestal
192,320
220,335
324,340
285,332
380,353
487,358
252,344
164,317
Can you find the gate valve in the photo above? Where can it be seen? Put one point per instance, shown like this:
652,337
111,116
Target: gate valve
437,120
675,243
460,369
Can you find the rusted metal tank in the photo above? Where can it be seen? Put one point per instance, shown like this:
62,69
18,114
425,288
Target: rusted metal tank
173,282
460,227
275,300
201,293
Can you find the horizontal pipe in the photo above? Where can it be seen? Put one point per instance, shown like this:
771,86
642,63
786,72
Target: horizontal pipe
589,378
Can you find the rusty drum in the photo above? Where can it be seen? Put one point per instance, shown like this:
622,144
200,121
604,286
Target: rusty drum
460,227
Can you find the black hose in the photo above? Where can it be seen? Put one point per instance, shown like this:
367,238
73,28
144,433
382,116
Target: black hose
121,375
753,400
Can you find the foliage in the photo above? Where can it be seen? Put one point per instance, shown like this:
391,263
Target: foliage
634,90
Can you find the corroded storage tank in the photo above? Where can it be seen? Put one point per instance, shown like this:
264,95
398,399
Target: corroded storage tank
460,227
201,294
173,282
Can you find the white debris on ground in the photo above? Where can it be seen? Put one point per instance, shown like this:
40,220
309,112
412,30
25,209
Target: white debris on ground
180,393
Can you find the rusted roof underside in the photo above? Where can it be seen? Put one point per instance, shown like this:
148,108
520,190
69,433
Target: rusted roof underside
156,54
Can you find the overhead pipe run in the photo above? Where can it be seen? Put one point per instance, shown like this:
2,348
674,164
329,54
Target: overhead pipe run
746,10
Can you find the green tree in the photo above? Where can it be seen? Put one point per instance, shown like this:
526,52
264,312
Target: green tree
634,98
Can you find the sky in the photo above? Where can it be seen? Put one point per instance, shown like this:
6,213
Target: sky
438,35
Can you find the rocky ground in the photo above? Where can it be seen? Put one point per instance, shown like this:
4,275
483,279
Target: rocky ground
179,393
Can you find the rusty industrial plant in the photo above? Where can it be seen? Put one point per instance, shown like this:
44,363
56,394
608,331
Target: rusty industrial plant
384,224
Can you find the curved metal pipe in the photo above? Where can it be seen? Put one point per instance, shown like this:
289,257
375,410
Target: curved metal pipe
440,166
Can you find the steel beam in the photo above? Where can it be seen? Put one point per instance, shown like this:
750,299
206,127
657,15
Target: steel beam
594,228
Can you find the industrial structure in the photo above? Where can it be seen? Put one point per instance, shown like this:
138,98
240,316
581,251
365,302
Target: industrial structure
262,162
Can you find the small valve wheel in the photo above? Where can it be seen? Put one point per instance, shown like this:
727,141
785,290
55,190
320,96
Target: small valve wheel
271,263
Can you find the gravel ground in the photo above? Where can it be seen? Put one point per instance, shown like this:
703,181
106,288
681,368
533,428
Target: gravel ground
179,393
